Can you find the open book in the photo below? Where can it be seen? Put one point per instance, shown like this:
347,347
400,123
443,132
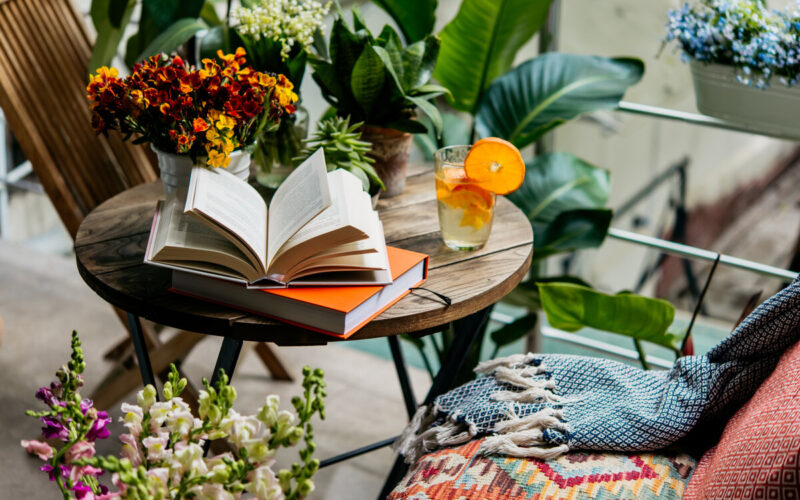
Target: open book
319,229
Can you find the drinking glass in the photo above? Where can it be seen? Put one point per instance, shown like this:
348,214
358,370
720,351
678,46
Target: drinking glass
466,210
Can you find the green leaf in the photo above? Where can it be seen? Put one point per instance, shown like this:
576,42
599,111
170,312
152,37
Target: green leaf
480,43
361,176
407,125
165,13
514,331
546,91
415,18
418,60
209,14
557,182
108,34
117,10
173,37
367,79
431,111
571,307
454,131
571,230
148,31
223,38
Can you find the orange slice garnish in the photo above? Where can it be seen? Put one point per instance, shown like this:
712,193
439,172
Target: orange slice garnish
484,198
476,217
496,165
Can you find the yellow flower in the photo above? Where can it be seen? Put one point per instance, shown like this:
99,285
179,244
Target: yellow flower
139,99
225,122
212,135
266,80
285,95
106,73
217,159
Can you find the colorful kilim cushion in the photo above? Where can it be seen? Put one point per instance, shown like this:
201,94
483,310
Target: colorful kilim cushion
462,473
759,453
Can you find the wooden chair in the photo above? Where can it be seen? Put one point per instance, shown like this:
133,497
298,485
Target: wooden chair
44,52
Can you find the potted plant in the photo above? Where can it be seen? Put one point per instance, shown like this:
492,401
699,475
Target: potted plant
191,116
380,82
743,59
344,148
277,35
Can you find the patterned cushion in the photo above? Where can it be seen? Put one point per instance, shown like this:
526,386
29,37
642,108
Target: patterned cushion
758,455
460,473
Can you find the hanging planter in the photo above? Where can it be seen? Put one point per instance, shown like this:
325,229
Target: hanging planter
176,170
772,110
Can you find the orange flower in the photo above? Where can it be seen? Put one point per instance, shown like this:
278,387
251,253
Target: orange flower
139,99
266,80
164,108
199,125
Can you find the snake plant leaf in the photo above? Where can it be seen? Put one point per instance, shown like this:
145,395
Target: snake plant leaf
367,79
571,307
166,12
345,50
480,44
419,59
557,182
110,27
510,333
571,230
415,18
431,111
544,92
173,37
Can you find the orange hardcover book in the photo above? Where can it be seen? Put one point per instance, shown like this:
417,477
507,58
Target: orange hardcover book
339,311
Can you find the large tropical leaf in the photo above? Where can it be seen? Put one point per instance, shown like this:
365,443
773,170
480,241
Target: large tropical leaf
571,307
454,131
480,43
551,89
415,18
510,333
571,230
138,42
110,19
557,182
166,12
564,198
173,37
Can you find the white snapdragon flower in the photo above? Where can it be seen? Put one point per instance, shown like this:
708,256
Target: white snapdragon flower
156,446
133,418
264,484
190,459
210,491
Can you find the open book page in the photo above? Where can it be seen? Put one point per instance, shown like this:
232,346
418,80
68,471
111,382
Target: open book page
349,218
179,240
299,199
232,208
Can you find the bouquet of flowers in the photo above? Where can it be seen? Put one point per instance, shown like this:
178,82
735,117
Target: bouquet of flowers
759,42
207,112
163,452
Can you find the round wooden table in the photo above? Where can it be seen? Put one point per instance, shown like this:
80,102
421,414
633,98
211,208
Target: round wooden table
111,241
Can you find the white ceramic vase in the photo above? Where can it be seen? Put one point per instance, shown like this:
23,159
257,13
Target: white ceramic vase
176,170
771,111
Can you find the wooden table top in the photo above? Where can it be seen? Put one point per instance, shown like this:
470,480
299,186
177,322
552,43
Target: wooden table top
111,241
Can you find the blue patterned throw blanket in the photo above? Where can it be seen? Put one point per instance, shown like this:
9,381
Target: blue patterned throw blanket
542,405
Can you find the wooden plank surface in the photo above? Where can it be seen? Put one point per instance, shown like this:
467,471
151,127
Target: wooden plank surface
111,242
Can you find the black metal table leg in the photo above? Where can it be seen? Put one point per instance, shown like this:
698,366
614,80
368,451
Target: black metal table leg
466,331
137,337
402,376
227,358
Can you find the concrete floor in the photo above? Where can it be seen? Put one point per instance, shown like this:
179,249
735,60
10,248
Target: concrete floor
42,299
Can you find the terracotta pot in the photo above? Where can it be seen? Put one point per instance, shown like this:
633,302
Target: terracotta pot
390,149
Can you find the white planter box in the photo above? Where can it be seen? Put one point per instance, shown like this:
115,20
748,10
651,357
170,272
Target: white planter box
774,110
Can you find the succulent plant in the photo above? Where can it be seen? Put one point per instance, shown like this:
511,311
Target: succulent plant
376,80
344,148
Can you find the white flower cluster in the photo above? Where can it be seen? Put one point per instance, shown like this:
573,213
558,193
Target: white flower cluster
168,441
289,22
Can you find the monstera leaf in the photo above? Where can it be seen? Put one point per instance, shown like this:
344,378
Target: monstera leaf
544,92
564,198
571,307
480,43
415,18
